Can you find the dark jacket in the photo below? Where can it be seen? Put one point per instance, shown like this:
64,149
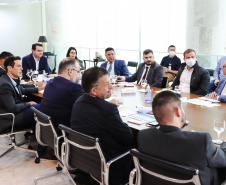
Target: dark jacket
12,102
2,71
200,79
154,76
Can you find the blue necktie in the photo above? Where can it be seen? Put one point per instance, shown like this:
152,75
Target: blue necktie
109,69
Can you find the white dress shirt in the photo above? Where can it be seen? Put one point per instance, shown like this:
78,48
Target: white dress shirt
185,80
149,66
224,91
112,69
14,83
36,62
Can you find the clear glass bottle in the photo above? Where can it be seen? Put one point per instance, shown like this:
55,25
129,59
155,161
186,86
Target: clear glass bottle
148,95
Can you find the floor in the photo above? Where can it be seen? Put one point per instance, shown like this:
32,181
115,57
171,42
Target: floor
18,167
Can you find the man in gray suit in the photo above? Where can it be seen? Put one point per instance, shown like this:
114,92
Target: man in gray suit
169,142
149,70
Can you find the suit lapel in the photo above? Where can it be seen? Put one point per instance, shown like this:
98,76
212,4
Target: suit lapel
116,67
33,65
15,91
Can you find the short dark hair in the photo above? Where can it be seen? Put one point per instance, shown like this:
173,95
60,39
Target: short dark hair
65,64
108,49
171,46
189,51
160,104
34,46
10,61
91,76
147,51
5,54
69,50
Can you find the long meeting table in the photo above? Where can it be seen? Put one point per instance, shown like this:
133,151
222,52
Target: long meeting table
200,119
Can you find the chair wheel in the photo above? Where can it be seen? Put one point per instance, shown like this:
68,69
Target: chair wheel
30,147
37,160
58,168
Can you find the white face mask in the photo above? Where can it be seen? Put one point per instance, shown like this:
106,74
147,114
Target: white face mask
172,53
190,62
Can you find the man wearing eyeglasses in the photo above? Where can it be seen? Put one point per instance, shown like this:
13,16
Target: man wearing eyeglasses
60,94
94,116
220,92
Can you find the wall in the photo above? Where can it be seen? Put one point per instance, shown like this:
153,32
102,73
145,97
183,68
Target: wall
20,27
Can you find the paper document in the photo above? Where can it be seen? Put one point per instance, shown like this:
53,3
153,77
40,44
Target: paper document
42,91
202,103
143,117
128,91
208,99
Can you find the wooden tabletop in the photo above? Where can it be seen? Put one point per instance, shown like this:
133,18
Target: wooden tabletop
200,119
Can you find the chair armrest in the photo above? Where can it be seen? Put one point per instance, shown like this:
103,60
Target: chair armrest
132,176
117,158
13,118
58,146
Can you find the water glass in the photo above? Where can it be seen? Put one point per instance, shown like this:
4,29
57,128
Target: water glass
219,127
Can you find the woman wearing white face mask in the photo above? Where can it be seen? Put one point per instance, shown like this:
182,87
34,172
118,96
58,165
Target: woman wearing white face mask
191,77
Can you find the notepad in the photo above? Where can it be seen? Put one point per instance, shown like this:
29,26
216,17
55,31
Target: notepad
143,117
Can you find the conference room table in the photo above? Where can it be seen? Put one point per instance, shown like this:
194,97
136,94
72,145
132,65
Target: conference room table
201,119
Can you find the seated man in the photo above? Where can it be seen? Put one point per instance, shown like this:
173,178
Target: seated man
220,92
35,61
94,116
3,56
171,63
114,66
169,142
61,93
11,100
149,70
191,77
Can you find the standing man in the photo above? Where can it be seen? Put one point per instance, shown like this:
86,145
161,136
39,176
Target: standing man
191,77
171,63
11,100
35,61
3,56
217,75
149,70
114,66
94,116
169,142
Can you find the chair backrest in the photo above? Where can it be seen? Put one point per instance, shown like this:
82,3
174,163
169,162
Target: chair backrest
164,81
83,152
132,64
211,71
45,131
151,170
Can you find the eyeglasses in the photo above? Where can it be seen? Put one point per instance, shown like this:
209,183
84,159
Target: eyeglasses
76,71
224,66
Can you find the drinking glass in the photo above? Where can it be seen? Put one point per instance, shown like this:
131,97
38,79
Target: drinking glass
114,78
177,89
29,73
113,92
143,83
219,127
34,78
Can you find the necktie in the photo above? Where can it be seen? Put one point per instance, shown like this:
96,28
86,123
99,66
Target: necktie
109,69
145,74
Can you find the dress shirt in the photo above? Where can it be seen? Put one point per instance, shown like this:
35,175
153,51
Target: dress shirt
149,66
112,69
218,72
14,83
223,91
185,80
36,63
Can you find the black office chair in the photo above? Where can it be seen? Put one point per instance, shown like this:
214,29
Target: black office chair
150,170
84,152
46,135
164,81
132,64
11,133
211,71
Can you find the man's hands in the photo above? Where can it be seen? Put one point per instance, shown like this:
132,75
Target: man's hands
213,95
32,103
216,82
115,101
119,79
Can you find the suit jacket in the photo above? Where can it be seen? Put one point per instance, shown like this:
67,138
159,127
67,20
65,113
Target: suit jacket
12,102
98,118
154,76
28,62
200,79
220,88
58,99
120,67
2,71
194,149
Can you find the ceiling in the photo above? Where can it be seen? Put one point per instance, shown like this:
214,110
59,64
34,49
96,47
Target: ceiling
18,2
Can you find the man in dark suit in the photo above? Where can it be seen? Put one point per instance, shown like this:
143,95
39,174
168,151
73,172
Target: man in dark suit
11,100
149,70
114,66
169,142
61,93
35,61
3,56
94,116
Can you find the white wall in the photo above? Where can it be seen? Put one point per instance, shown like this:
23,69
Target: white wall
20,27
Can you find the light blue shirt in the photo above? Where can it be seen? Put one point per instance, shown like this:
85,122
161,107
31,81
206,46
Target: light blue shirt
218,72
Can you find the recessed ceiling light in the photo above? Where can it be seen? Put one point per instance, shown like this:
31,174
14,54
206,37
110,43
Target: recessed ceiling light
3,4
